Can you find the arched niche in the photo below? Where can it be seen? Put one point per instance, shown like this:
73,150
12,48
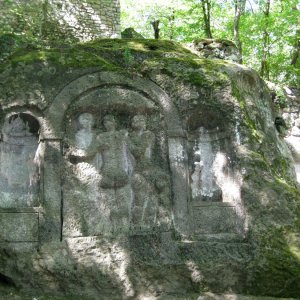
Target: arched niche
215,179
117,176
20,158
103,93
93,81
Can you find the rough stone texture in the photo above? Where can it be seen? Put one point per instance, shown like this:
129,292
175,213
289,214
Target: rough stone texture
130,33
288,101
293,103
19,227
88,19
157,175
211,296
215,48
293,141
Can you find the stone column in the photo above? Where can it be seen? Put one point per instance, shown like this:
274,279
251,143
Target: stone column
52,202
179,169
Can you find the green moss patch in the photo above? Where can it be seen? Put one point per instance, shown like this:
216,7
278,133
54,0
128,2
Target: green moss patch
67,58
277,267
142,45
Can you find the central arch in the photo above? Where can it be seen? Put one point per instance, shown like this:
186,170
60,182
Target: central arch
87,85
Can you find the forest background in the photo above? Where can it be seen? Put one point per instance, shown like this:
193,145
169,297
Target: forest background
266,32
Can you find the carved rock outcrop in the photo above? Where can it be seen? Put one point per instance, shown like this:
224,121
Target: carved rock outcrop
135,169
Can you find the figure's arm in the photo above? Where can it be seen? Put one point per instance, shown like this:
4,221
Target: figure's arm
76,155
102,142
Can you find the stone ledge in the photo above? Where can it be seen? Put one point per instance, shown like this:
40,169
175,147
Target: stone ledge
211,296
19,227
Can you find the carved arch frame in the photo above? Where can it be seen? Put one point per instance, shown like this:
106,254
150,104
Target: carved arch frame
25,222
176,138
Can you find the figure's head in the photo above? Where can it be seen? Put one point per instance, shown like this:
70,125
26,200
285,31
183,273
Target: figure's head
138,122
86,120
17,125
109,122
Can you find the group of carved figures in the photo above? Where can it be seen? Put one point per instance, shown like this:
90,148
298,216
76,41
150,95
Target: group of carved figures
124,160
119,150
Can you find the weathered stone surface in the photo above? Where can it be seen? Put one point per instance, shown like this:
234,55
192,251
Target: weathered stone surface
216,48
157,174
211,296
130,33
85,20
19,227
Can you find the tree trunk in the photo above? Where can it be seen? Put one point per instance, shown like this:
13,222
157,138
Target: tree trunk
171,20
264,68
296,53
155,25
206,7
239,8
44,23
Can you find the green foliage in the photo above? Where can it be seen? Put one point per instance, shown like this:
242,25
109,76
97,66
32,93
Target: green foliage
128,57
277,267
282,29
182,20
28,24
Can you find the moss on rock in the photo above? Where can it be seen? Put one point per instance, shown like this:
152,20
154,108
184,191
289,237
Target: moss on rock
211,93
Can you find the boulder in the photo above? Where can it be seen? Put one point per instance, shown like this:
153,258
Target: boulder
135,169
130,33
215,48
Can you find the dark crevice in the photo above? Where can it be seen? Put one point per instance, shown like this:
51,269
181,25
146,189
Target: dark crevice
6,281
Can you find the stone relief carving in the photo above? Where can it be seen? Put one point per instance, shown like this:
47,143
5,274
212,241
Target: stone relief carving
122,181
116,168
204,186
215,184
84,135
19,166
141,145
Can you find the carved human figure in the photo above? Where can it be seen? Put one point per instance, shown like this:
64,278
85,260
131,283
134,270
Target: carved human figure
84,135
19,165
116,165
141,142
102,160
144,213
115,173
85,149
203,178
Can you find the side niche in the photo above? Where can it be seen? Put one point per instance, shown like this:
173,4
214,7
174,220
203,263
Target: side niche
116,169
215,185
19,162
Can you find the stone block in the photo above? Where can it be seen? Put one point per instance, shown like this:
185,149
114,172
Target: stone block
215,218
19,227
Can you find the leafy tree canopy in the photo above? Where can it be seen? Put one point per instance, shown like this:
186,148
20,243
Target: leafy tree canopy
268,30
268,38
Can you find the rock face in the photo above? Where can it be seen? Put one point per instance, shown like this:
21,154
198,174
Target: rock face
216,48
134,169
88,19
288,101
130,33
292,108
293,140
